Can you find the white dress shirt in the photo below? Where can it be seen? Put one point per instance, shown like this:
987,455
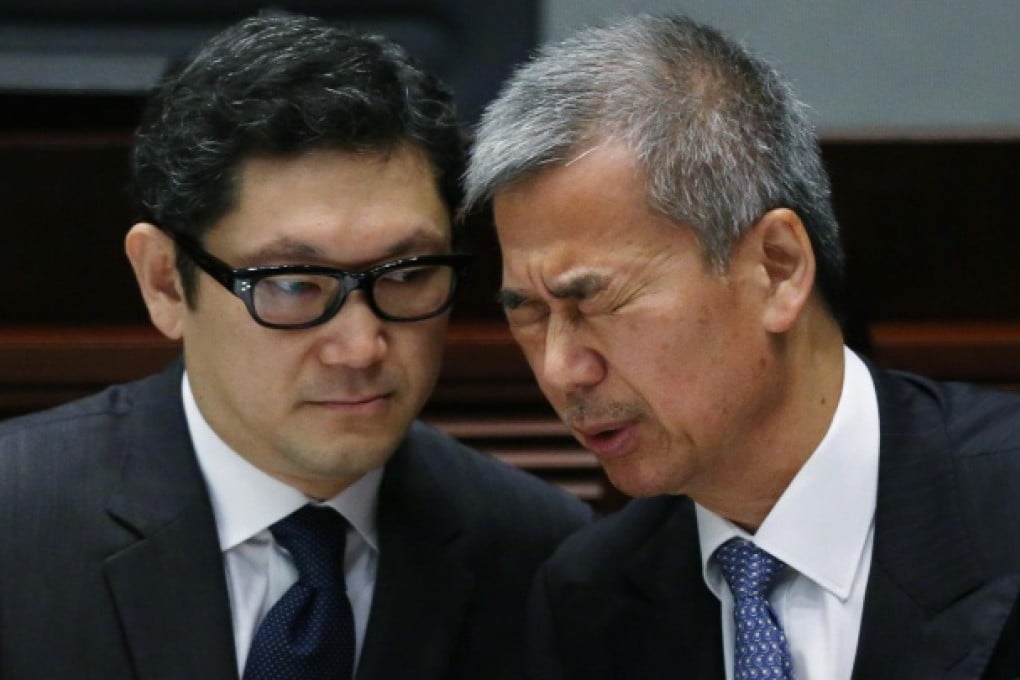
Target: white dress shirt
823,528
246,502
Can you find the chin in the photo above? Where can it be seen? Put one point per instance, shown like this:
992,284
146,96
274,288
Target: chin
361,460
638,481
350,458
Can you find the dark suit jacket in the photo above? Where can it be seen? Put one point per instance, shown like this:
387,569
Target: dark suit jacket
625,597
110,566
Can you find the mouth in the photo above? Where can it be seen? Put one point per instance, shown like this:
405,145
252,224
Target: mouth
354,405
608,440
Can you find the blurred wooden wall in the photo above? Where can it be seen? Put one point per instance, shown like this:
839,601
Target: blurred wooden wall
929,226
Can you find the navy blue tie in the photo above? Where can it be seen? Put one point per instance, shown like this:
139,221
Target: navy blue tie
760,648
309,633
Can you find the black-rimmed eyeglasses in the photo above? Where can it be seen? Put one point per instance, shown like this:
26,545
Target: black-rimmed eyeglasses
303,295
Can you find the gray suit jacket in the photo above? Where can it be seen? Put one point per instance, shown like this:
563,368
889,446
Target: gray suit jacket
625,597
110,565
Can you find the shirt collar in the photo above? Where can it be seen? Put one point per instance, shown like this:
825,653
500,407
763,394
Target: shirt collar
821,523
247,501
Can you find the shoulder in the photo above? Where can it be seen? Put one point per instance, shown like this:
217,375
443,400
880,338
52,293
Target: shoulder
486,490
976,420
70,438
967,435
60,467
66,422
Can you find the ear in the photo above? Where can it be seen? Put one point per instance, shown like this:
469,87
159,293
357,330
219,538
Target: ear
788,262
153,258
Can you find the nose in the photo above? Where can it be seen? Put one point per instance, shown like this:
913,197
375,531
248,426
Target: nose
355,337
569,361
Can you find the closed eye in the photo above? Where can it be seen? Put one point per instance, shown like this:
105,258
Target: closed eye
521,310
508,299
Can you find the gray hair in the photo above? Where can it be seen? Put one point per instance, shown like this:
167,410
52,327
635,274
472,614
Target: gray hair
721,137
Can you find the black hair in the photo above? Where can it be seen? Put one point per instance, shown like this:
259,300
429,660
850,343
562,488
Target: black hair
280,84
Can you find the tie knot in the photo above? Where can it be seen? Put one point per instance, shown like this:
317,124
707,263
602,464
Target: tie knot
748,569
315,537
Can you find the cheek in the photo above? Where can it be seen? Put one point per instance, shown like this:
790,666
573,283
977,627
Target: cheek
716,399
251,358
529,340
682,368
220,320
214,334
419,349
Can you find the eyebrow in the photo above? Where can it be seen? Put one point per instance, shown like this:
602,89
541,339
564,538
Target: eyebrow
290,248
419,240
577,287
580,286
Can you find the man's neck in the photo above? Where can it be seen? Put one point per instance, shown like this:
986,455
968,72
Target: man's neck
754,475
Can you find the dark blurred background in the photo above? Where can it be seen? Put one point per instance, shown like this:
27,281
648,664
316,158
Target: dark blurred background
917,105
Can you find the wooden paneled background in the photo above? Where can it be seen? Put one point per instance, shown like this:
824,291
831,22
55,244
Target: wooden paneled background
930,229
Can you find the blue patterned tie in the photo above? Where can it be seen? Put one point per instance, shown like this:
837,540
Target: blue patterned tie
760,646
309,633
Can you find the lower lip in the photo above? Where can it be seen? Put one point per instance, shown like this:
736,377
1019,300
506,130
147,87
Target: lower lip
369,407
614,445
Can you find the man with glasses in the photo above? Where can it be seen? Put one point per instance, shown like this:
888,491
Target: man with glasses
270,508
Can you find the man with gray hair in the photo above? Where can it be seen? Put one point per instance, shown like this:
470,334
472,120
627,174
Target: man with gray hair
672,270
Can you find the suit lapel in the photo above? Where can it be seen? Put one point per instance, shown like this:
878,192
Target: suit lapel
684,626
660,620
421,589
899,638
169,587
929,610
